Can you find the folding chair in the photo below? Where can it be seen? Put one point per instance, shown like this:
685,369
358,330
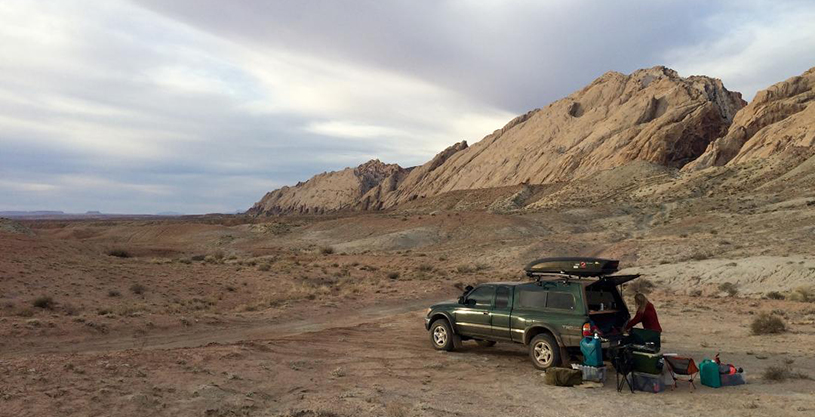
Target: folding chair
680,365
623,361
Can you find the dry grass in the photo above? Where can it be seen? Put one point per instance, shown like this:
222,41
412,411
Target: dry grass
768,324
138,289
327,250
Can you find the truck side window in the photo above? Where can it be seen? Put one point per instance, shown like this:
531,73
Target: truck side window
502,297
560,300
532,299
482,296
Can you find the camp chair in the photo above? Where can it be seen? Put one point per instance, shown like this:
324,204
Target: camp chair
680,365
622,359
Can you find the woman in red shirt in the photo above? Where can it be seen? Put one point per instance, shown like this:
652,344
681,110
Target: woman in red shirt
646,314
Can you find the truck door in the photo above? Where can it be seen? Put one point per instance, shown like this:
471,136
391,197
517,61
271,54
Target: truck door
473,318
501,312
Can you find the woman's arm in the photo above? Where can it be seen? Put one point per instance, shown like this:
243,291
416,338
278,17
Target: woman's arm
634,321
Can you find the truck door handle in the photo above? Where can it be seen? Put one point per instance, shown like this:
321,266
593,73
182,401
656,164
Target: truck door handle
486,313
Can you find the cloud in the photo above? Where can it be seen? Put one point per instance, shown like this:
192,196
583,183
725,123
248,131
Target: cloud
191,106
759,43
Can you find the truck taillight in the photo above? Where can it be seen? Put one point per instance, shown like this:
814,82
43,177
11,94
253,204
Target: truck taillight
587,330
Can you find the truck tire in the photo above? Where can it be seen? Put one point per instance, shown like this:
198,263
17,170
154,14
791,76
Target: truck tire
544,351
485,343
441,335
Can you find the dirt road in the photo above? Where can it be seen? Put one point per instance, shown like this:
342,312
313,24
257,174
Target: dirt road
378,361
234,331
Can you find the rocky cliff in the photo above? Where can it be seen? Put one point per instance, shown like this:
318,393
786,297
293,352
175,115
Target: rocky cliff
329,191
779,119
651,115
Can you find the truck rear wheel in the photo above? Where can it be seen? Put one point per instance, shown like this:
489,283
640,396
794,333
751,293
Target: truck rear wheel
441,335
544,351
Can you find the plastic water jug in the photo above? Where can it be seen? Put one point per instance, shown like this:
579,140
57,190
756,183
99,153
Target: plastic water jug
709,373
592,351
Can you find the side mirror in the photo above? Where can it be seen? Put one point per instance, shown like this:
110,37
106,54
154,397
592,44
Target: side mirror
461,300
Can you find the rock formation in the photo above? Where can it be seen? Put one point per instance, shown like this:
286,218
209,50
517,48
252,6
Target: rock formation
329,191
780,118
651,115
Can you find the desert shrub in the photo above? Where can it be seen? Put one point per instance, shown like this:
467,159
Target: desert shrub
25,312
641,285
775,295
219,255
767,324
465,269
327,250
730,288
138,289
424,268
442,258
185,261
481,266
393,275
198,258
700,256
114,293
776,373
44,302
264,267
119,253
802,294
70,309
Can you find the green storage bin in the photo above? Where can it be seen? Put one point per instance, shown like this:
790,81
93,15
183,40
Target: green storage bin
649,363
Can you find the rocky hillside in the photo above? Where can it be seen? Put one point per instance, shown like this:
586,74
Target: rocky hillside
329,191
652,117
779,119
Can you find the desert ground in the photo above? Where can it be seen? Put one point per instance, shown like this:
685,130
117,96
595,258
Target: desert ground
323,315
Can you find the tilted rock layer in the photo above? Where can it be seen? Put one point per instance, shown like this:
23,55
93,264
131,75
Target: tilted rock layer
780,118
329,191
652,115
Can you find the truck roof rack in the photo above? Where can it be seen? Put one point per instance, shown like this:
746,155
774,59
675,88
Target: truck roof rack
572,266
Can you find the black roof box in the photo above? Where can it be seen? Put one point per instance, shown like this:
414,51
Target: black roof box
576,266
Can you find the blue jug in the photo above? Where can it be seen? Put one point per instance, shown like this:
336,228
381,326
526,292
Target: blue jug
592,351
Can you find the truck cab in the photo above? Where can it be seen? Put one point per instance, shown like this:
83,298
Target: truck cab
549,314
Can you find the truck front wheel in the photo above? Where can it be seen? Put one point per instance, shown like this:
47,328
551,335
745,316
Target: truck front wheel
441,335
544,351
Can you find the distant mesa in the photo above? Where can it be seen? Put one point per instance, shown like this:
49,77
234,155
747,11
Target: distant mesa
169,213
34,213
651,116
93,212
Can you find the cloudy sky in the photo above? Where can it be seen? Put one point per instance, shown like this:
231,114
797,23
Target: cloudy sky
200,106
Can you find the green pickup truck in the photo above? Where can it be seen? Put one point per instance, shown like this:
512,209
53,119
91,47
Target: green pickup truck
549,315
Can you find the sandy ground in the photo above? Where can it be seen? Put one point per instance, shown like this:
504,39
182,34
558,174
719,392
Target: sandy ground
379,361
323,316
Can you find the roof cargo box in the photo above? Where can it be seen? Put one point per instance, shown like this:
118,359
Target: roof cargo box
582,267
